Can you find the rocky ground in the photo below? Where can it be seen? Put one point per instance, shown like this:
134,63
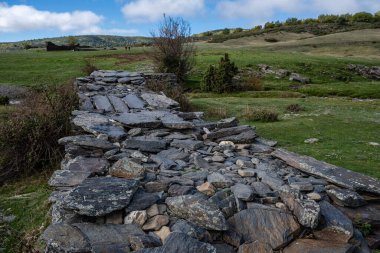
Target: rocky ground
141,176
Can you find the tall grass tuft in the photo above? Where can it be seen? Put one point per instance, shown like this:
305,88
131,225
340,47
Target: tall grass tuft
254,114
28,137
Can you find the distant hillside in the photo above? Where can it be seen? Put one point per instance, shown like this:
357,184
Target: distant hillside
85,40
323,25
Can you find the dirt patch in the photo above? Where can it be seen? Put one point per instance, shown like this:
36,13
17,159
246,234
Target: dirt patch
128,58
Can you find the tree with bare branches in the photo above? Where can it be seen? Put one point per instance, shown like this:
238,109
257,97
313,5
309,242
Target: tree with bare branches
174,50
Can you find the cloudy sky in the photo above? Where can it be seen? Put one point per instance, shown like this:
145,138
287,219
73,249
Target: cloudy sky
28,19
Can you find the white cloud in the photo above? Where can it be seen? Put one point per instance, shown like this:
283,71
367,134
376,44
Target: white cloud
260,11
19,18
140,11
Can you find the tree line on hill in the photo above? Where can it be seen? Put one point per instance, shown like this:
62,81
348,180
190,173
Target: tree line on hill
333,23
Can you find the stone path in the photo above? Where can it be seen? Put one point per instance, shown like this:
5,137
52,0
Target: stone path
145,177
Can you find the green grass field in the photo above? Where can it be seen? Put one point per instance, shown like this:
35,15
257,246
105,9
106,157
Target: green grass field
344,116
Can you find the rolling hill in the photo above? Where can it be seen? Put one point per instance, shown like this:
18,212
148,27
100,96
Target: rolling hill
84,40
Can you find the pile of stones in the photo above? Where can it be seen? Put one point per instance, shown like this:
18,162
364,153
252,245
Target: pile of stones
141,176
365,71
281,73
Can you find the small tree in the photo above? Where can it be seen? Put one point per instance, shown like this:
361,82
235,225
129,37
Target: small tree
72,41
219,79
173,48
362,17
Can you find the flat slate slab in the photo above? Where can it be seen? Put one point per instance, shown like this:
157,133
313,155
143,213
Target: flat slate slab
159,101
316,246
118,104
333,174
102,103
134,101
100,196
88,141
144,119
109,237
98,124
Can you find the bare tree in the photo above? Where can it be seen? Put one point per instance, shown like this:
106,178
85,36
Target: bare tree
174,50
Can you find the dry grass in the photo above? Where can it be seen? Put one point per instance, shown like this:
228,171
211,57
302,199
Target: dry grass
254,114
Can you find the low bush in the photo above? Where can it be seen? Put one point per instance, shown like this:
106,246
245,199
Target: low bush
294,108
271,40
251,83
175,92
4,100
28,137
255,114
216,112
88,67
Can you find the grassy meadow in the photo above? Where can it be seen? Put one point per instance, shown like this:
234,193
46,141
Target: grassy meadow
344,114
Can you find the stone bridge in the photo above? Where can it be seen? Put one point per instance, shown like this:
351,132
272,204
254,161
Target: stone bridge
141,176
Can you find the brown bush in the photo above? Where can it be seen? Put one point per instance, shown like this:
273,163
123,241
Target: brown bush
294,108
175,92
88,67
28,137
254,114
217,112
252,83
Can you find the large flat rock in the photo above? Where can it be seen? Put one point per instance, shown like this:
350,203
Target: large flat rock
181,243
100,196
334,174
267,225
159,101
198,211
134,101
98,124
87,141
317,246
109,237
65,238
102,103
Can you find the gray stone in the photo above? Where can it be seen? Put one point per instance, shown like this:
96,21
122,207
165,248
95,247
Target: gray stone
187,144
219,181
335,225
225,132
142,200
144,241
179,190
255,247
267,225
192,230
302,186
86,164
242,138
144,119
67,178
298,78
87,141
306,211
134,102
109,237
64,238
180,242
99,124
316,246
159,101
262,189
334,174
197,211
127,168
244,192
344,197
100,196
145,144
118,104
102,103
226,201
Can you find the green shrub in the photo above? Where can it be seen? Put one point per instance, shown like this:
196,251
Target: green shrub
362,17
4,100
219,79
226,31
264,115
28,138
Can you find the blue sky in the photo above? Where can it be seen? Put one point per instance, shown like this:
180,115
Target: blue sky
29,19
